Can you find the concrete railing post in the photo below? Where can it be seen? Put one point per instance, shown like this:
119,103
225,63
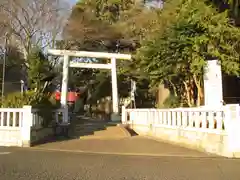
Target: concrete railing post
27,119
232,126
124,115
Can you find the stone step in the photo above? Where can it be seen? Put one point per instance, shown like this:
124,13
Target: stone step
110,132
87,131
89,128
92,126
82,131
78,135
93,129
112,128
89,125
103,133
100,137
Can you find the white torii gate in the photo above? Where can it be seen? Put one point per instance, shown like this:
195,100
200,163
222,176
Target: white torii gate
111,66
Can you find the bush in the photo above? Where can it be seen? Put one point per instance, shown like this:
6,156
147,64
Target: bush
172,102
37,100
46,103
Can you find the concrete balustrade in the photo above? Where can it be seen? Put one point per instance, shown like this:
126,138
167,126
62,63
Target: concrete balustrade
213,130
24,126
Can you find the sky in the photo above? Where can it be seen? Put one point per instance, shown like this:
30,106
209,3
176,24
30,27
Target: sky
72,2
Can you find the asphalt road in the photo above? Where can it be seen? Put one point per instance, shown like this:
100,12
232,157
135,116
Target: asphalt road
29,164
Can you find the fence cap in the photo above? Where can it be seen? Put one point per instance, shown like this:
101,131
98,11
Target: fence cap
27,107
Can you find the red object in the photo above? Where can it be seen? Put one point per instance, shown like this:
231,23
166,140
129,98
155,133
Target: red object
58,96
71,97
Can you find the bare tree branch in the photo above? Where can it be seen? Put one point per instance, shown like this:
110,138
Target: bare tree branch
32,22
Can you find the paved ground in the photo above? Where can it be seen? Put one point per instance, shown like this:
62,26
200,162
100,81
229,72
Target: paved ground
134,158
32,164
135,145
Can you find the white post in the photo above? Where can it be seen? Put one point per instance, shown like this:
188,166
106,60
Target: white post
124,115
26,123
232,125
115,115
64,89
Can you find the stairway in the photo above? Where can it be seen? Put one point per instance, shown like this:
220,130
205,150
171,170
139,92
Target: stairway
90,129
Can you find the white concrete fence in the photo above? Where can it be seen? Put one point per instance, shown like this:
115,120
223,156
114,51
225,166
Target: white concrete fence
24,126
213,130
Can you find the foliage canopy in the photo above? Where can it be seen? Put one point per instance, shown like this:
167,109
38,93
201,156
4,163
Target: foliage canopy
191,32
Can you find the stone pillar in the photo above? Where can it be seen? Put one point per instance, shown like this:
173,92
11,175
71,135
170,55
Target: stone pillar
26,124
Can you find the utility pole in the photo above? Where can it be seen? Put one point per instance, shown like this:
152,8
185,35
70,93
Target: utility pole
4,65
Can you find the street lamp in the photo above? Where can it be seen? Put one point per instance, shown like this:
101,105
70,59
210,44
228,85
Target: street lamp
4,65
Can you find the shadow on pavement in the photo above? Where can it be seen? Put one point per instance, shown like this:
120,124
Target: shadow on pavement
82,127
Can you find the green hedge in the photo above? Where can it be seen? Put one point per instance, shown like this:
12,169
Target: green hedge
46,103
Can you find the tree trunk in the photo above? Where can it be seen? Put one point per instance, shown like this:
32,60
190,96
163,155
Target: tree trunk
188,94
191,89
200,95
174,88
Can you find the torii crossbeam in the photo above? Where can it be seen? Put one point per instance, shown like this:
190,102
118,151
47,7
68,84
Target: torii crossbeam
111,66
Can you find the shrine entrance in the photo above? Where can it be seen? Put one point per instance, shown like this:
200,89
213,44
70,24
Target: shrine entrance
86,54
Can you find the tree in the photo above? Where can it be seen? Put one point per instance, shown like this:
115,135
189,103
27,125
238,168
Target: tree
188,34
231,5
107,26
31,23
39,71
92,27
112,26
